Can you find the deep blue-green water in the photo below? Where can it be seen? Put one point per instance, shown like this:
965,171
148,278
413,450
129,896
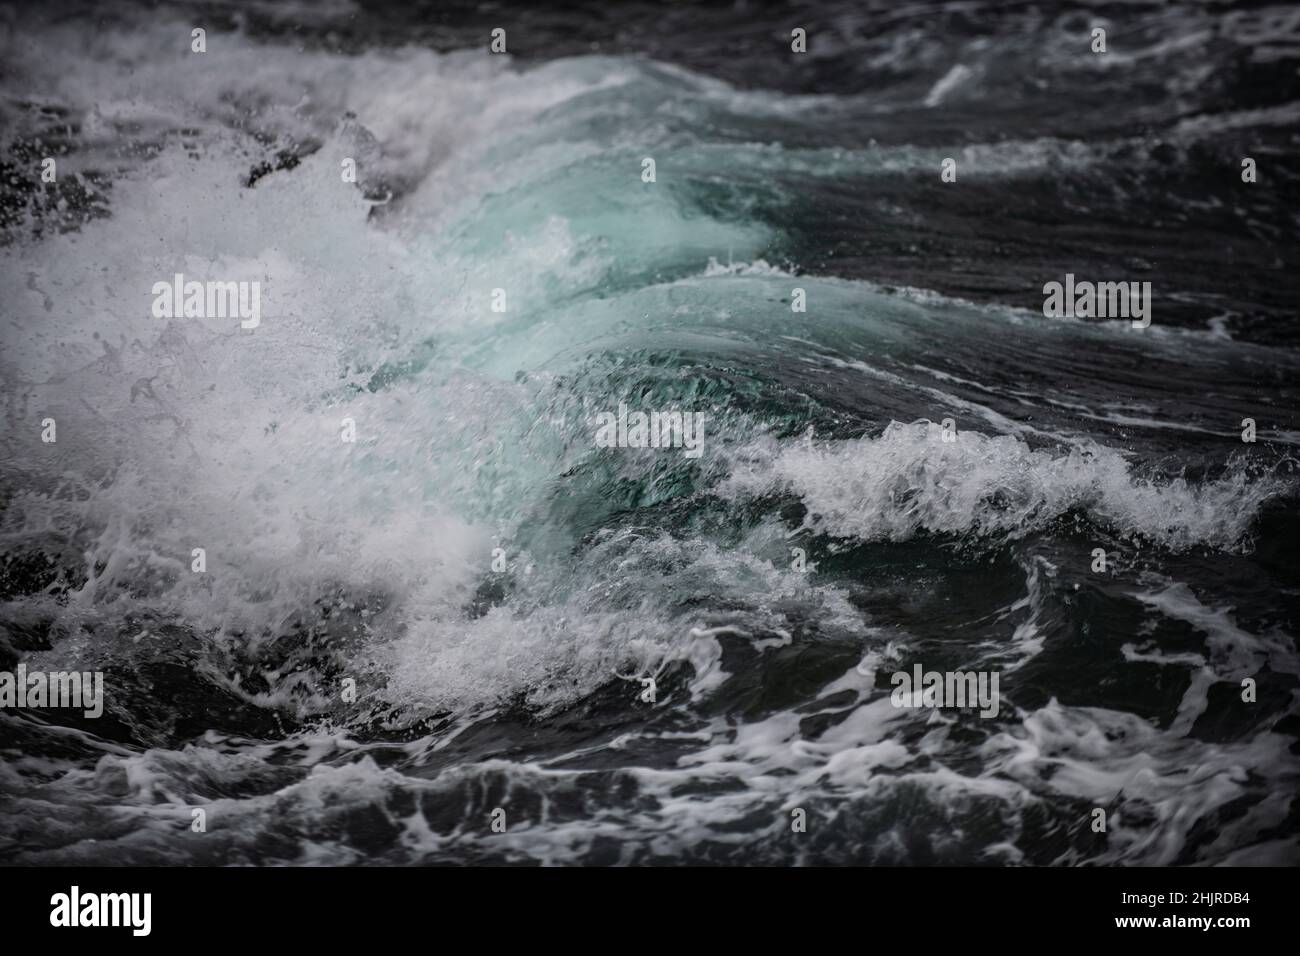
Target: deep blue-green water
497,587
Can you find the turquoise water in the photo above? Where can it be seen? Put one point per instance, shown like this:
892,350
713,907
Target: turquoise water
496,587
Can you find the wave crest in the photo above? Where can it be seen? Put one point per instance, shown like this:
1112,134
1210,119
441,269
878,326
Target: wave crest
909,480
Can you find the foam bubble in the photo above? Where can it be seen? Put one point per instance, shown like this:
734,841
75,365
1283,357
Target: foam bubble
908,480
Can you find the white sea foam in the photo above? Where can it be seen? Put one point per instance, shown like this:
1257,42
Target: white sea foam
193,434
907,480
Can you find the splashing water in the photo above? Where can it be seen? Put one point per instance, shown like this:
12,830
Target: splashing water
498,588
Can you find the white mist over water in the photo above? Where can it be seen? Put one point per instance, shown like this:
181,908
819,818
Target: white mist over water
183,434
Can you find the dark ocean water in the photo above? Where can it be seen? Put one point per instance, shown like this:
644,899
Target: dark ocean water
519,688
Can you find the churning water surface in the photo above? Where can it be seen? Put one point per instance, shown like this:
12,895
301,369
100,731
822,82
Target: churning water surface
479,688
